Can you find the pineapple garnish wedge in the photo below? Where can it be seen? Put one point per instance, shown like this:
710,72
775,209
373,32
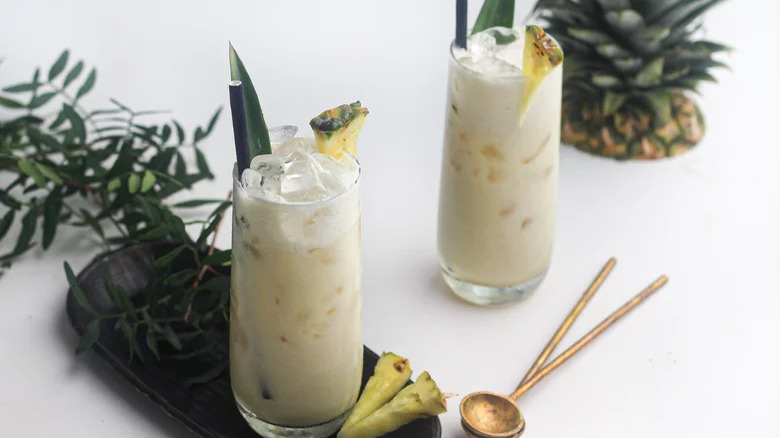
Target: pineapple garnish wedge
337,129
540,55
390,375
420,399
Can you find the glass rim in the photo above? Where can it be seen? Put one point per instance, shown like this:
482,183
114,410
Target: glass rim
519,77
237,184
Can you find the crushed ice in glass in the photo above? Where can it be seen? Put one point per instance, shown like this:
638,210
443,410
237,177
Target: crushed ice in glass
280,134
297,173
496,52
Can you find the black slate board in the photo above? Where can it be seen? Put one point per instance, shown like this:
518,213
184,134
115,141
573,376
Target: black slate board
206,409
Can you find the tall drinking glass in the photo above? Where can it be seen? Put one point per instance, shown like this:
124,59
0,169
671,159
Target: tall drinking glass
296,350
499,175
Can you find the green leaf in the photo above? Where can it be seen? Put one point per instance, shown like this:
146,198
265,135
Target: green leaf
29,222
30,169
166,133
48,172
203,166
51,217
179,132
216,284
76,122
5,223
590,36
89,337
74,72
166,258
87,85
198,136
61,117
495,13
651,73
625,20
661,104
78,292
612,51
151,342
148,181
650,38
114,184
59,65
217,258
170,335
212,122
92,222
605,81
181,277
197,203
155,233
133,182
41,99
257,131
10,103
208,230
22,88
613,101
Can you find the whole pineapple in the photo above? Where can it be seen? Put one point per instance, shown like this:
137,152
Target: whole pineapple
629,65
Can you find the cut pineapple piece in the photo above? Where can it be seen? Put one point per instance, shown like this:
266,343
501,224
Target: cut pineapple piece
337,129
390,375
420,399
540,56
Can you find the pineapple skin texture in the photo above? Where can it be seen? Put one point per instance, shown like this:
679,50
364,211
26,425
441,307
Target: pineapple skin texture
390,375
420,399
625,136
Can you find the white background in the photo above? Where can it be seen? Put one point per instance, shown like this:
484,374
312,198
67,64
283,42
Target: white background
698,359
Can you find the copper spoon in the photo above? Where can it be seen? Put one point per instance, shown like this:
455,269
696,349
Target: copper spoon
556,338
490,415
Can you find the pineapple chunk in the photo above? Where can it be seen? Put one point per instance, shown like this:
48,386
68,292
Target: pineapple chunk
540,56
337,129
390,375
420,399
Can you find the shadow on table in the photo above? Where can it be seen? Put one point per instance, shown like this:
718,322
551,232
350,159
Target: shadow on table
109,377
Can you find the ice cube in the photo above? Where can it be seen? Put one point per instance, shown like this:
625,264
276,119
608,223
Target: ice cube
280,134
482,45
496,52
268,165
301,182
251,178
336,175
270,168
492,67
303,144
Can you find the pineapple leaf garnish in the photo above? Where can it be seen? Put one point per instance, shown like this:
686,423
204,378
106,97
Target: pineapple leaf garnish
257,131
495,13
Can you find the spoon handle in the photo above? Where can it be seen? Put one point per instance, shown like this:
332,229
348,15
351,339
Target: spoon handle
585,340
575,312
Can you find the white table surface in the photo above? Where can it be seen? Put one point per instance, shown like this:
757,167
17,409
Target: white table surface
698,359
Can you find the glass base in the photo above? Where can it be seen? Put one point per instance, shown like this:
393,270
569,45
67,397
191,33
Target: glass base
490,295
270,430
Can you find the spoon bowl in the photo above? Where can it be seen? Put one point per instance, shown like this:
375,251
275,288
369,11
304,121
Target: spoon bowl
490,415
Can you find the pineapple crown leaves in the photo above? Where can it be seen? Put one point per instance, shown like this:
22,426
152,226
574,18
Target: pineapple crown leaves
631,52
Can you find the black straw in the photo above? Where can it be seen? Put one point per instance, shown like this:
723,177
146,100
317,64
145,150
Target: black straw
461,18
239,125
